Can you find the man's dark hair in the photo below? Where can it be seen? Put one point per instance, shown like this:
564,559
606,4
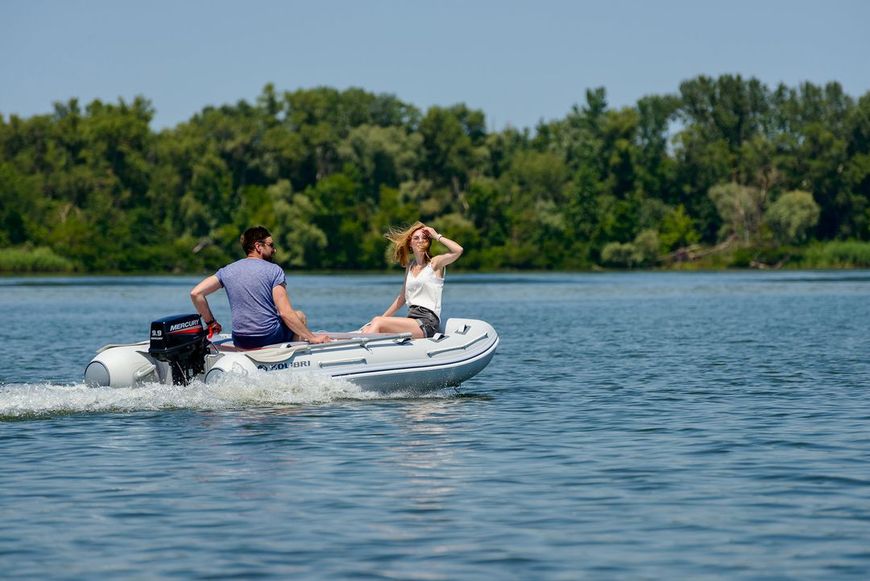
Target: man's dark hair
252,236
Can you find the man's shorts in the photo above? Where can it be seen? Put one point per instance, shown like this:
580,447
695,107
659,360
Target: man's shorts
281,335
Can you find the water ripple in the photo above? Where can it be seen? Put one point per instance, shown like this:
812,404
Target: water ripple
630,426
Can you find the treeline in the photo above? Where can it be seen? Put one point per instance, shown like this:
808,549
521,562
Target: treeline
726,170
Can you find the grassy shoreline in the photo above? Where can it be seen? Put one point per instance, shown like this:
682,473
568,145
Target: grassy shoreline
834,255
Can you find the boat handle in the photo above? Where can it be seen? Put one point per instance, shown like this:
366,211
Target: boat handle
362,341
457,347
278,354
342,362
144,371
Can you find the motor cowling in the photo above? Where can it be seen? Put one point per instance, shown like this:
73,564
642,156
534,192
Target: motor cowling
182,342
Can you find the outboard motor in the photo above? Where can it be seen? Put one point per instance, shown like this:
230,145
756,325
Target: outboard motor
180,341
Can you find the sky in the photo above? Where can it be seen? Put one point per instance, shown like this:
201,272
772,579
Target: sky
520,62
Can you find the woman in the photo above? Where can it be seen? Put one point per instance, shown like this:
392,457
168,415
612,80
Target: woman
424,281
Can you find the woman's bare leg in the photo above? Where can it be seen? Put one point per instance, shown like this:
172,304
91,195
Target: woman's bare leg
395,325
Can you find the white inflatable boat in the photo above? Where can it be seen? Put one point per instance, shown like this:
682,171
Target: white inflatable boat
179,352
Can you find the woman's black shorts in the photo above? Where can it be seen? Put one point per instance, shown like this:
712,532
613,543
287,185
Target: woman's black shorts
427,319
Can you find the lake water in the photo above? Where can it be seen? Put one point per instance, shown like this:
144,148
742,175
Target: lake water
649,425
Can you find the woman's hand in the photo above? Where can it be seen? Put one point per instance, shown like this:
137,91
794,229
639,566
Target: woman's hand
433,235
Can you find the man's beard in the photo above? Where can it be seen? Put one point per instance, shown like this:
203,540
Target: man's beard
270,258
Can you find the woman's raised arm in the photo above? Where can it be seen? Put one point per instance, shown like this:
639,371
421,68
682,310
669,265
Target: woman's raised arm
454,250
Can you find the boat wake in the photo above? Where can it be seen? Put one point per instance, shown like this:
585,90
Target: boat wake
28,400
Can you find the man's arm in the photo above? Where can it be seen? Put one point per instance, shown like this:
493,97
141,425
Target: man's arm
197,295
293,322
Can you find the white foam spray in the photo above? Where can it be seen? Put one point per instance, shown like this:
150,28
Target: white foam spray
231,391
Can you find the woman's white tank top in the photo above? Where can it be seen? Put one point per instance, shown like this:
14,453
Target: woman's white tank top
424,290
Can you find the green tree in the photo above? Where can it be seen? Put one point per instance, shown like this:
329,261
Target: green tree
792,216
741,209
298,238
382,155
678,229
447,149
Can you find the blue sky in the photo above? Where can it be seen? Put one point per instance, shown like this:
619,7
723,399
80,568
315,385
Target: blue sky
520,62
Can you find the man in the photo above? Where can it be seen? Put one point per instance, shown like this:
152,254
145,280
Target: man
257,291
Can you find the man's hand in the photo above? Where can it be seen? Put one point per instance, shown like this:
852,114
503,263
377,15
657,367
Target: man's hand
319,338
214,328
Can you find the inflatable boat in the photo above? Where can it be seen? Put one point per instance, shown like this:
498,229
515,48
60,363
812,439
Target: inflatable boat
179,351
